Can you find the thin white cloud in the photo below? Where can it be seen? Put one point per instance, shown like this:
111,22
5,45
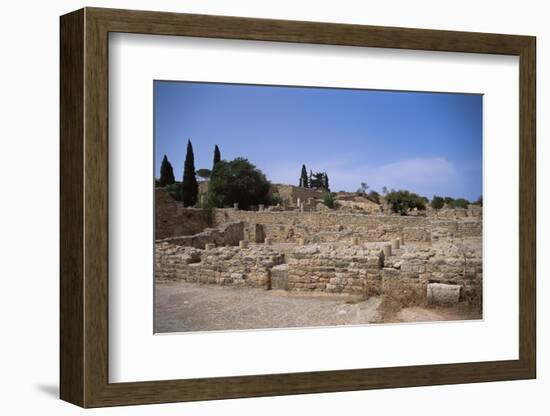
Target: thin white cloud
423,175
426,176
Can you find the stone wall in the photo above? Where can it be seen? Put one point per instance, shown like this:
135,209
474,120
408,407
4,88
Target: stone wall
225,235
290,194
320,227
249,267
407,276
173,219
351,269
328,268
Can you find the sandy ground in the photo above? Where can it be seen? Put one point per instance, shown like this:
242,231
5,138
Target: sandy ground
182,307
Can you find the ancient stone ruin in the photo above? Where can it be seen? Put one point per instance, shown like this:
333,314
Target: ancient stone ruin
300,247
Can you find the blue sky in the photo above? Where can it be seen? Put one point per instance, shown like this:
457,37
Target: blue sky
429,143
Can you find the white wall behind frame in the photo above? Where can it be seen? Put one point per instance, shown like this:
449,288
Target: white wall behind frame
29,131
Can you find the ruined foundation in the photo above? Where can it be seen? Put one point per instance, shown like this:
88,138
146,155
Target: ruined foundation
415,260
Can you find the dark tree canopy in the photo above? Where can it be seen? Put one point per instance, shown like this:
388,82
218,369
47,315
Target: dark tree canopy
189,186
460,203
456,203
403,202
304,181
217,156
319,180
204,173
237,181
325,182
166,173
437,202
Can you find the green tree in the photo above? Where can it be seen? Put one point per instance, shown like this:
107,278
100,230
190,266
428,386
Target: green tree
189,185
362,190
384,190
204,173
479,201
403,202
437,202
217,156
166,173
325,182
237,181
460,203
319,180
456,203
304,182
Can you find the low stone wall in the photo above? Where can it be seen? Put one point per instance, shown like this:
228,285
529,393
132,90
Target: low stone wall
351,269
225,235
221,265
318,227
441,229
173,219
333,269
407,276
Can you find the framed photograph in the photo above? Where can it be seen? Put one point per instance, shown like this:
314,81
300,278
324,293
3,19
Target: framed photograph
255,207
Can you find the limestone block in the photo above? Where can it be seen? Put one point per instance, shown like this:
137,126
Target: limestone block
443,294
395,244
243,244
387,250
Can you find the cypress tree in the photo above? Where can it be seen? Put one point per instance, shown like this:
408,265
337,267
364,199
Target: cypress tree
189,186
304,183
166,173
325,182
217,156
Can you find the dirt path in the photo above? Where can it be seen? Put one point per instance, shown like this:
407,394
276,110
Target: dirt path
181,306
185,307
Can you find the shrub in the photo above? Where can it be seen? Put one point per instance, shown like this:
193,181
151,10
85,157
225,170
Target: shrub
374,197
329,199
460,203
456,203
174,189
403,202
437,202
275,199
237,181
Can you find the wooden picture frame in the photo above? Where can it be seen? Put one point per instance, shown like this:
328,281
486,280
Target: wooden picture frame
84,207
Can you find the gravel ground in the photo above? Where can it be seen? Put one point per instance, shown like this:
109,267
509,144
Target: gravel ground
183,307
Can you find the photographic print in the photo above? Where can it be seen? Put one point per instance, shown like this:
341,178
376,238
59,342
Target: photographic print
296,207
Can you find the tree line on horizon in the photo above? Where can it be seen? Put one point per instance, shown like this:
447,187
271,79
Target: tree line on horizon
239,181
317,180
